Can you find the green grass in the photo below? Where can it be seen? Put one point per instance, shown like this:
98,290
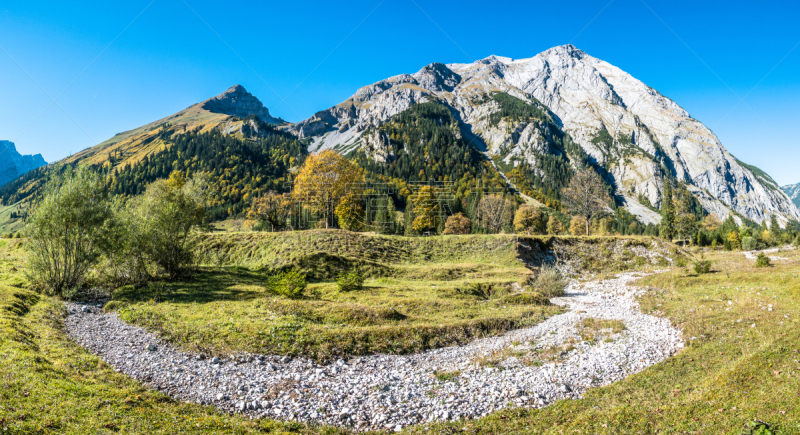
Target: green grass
227,309
8,225
420,293
729,375
49,385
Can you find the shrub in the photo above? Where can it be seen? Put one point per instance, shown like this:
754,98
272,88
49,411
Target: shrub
554,226
291,283
681,261
528,219
702,266
762,260
457,224
749,244
66,230
161,220
532,298
578,226
549,282
797,241
350,281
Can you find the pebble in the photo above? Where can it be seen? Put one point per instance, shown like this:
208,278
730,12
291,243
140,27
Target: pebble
389,392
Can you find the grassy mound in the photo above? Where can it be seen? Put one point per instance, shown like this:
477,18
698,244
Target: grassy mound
419,293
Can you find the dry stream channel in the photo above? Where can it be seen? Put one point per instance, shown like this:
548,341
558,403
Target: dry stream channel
602,337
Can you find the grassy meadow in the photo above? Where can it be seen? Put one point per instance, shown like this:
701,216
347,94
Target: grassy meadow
740,322
741,365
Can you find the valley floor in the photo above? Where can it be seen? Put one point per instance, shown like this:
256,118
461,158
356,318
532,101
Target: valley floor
741,364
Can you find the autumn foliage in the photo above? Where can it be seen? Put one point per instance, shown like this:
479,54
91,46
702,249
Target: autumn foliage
325,178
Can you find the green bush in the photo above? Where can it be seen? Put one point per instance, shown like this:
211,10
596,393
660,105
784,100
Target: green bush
681,261
762,260
797,241
162,220
66,230
291,283
350,281
749,244
702,266
549,282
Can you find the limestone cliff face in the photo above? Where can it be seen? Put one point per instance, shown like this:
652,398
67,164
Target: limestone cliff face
238,102
12,164
635,133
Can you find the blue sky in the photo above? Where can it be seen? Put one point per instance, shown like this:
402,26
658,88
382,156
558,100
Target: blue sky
733,65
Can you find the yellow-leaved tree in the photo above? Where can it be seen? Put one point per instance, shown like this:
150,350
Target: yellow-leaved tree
325,178
270,211
426,209
350,212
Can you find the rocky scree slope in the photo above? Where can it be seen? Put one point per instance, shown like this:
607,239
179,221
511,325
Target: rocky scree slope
638,136
13,164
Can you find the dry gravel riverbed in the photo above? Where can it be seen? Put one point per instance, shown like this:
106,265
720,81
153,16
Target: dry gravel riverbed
531,367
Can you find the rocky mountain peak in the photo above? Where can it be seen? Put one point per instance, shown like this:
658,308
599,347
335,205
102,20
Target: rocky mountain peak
13,164
495,59
637,136
437,77
567,50
237,101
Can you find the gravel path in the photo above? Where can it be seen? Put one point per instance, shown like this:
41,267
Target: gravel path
753,255
531,367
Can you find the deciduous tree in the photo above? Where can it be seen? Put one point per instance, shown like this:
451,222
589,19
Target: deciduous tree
578,226
325,178
350,212
270,211
457,224
426,209
495,213
586,195
554,226
528,220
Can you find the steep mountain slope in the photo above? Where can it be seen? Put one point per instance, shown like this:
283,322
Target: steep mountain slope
225,111
635,135
793,192
13,164
230,136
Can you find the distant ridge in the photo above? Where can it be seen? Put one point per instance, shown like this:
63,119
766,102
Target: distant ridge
13,164
793,192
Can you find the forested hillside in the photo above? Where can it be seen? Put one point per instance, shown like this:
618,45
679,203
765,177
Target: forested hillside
238,168
424,144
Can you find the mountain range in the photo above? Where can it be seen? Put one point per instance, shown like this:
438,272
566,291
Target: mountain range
520,122
632,131
13,164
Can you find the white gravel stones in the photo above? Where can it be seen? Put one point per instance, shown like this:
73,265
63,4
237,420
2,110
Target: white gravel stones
388,392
